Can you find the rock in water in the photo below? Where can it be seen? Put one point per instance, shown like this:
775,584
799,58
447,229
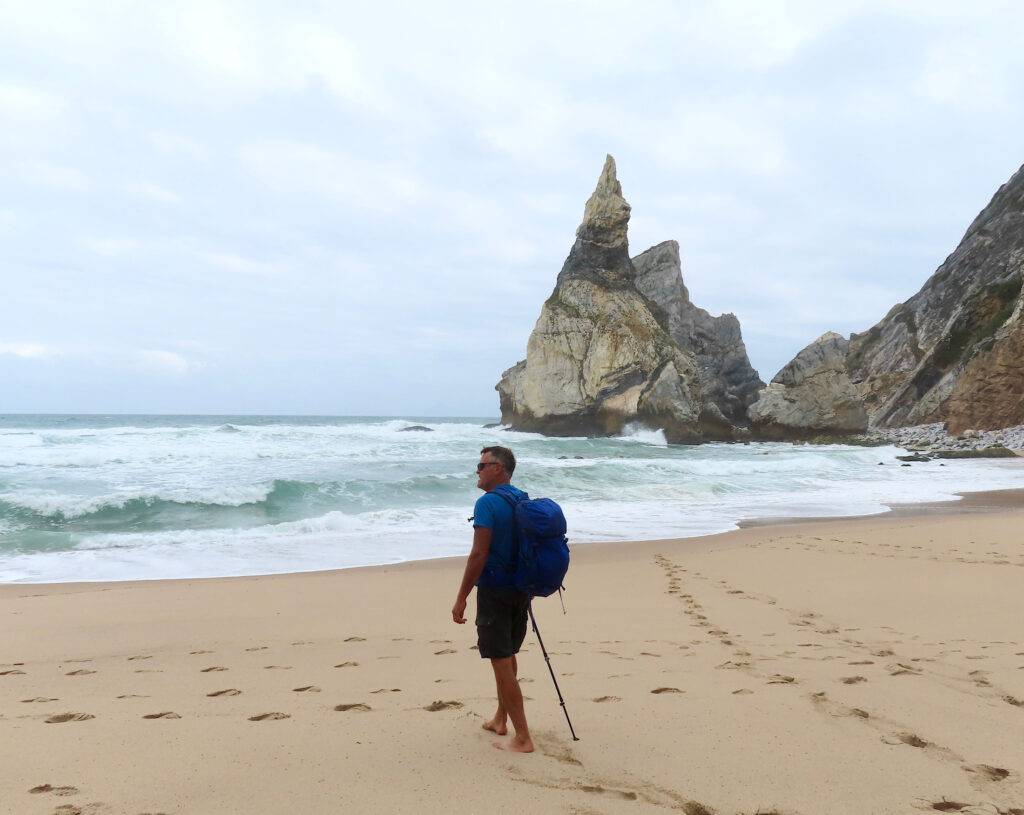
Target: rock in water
600,355
729,385
812,395
953,352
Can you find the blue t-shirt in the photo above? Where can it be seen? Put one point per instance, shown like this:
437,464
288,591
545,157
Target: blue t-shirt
495,513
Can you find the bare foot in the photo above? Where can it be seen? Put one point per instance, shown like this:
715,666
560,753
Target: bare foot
515,745
500,728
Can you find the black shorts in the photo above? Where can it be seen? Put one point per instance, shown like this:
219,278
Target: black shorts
500,621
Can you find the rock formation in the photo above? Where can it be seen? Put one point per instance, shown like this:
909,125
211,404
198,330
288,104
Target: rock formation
953,352
728,382
602,354
813,394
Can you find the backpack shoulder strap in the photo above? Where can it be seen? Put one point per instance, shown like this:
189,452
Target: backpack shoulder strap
512,498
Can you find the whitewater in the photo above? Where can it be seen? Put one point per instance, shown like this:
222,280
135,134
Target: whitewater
101,498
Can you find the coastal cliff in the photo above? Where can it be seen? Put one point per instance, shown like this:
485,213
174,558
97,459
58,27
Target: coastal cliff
605,353
951,353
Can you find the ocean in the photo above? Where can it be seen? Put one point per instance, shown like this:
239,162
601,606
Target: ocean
100,498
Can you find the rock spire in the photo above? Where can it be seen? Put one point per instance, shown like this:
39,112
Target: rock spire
602,354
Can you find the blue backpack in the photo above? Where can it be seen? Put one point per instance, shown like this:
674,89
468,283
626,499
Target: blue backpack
543,547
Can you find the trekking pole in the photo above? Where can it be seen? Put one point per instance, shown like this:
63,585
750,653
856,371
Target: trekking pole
547,659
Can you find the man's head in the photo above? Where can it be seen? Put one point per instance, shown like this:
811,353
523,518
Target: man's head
495,467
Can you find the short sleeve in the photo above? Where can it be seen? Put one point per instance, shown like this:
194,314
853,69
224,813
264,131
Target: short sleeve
483,513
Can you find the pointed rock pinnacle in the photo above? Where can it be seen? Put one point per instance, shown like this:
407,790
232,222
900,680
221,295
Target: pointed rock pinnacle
606,216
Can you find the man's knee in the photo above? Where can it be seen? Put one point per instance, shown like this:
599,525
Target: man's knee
503,664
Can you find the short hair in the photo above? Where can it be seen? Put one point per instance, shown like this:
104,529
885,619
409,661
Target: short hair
503,456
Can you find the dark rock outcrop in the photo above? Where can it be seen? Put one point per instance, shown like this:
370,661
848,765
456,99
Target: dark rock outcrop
602,354
954,352
729,385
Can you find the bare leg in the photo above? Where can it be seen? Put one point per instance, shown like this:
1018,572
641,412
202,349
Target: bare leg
499,724
510,699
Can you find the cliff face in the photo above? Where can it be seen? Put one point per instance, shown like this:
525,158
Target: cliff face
729,385
602,353
953,351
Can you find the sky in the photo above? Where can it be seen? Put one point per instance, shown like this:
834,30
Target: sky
356,208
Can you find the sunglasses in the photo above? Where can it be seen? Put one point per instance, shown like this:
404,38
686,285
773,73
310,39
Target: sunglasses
482,464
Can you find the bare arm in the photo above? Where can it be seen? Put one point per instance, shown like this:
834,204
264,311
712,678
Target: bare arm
474,568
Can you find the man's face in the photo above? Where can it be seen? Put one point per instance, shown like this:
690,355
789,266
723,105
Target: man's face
488,473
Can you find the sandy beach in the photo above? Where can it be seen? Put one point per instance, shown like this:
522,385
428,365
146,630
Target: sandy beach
873,665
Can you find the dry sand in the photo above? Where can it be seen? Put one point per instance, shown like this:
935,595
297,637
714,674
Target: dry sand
865,666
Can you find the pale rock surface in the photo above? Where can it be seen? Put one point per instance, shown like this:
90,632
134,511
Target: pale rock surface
812,395
599,358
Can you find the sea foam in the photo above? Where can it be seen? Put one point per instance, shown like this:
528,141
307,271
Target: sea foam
113,498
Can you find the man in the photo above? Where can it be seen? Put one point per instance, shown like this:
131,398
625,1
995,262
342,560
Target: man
501,609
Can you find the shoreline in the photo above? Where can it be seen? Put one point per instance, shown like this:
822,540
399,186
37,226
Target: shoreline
969,502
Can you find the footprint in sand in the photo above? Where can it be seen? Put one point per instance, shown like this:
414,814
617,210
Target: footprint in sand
277,667
41,699
13,672
354,706
949,806
347,665
779,679
79,672
987,770
853,680
166,714
307,688
444,651
214,668
68,809
133,696
226,692
912,740
355,639
257,648
624,794
742,692
268,717
141,657
433,707
193,653
385,690
60,718
61,791
666,690
608,699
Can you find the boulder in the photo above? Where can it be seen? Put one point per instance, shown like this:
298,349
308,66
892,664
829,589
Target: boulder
812,395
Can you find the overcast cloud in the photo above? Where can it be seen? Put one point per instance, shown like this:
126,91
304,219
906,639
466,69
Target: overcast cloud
359,208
